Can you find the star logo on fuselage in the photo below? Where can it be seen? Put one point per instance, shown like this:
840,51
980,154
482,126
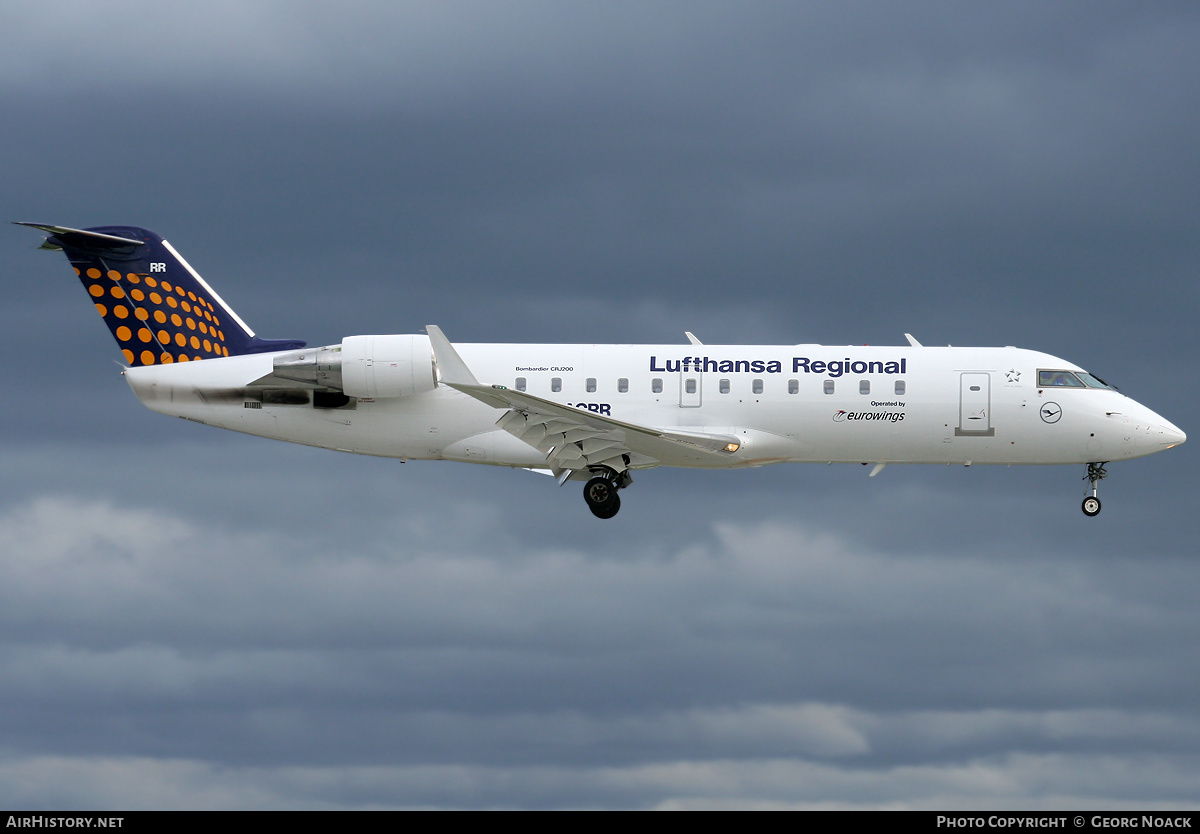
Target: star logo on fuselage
1013,375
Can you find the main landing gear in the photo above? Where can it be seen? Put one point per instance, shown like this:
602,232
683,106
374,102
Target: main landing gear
600,492
1095,474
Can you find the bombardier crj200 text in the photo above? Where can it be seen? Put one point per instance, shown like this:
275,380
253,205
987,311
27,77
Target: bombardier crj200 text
595,413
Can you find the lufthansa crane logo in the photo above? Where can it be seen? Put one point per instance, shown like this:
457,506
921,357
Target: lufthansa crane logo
1051,412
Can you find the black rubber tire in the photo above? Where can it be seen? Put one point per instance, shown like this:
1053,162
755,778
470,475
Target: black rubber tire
607,510
599,492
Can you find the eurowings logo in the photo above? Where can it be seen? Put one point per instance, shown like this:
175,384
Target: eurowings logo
868,416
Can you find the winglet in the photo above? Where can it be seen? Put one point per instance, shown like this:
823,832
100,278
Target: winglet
451,369
691,338
912,341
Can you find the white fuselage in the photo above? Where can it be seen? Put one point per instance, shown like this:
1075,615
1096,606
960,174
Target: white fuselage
802,403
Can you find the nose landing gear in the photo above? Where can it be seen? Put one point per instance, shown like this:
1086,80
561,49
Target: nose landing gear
1095,474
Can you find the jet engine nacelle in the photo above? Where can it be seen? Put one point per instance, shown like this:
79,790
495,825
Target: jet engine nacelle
374,367
387,366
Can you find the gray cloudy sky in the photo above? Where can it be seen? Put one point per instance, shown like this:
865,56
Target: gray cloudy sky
191,618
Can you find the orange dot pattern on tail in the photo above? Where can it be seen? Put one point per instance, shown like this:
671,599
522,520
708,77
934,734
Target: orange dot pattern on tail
146,299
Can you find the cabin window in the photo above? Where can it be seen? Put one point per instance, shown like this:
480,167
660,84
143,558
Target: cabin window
690,386
656,386
756,386
556,384
622,386
723,387
829,386
900,388
864,386
591,384
520,386
793,386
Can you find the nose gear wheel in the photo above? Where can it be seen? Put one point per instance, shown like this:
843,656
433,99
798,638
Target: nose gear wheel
1095,474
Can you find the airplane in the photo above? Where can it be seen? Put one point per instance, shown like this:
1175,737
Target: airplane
595,413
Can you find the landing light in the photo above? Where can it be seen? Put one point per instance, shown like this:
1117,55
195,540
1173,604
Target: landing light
732,447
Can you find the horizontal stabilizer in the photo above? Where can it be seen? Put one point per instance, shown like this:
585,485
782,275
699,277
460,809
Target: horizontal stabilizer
82,238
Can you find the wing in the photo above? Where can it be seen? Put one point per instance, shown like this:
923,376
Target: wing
573,439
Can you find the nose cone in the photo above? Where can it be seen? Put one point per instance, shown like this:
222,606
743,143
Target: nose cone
1169,435
1147,432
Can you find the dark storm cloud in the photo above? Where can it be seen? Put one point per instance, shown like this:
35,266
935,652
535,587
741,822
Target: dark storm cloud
813,150
554,674
192,618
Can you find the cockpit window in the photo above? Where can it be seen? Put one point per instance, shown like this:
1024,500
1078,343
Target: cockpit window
1092,381
1070,379
1058,379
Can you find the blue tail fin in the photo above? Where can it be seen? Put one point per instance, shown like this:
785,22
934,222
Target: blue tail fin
158,308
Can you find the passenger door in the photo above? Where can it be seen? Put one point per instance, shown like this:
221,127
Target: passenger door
975,406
